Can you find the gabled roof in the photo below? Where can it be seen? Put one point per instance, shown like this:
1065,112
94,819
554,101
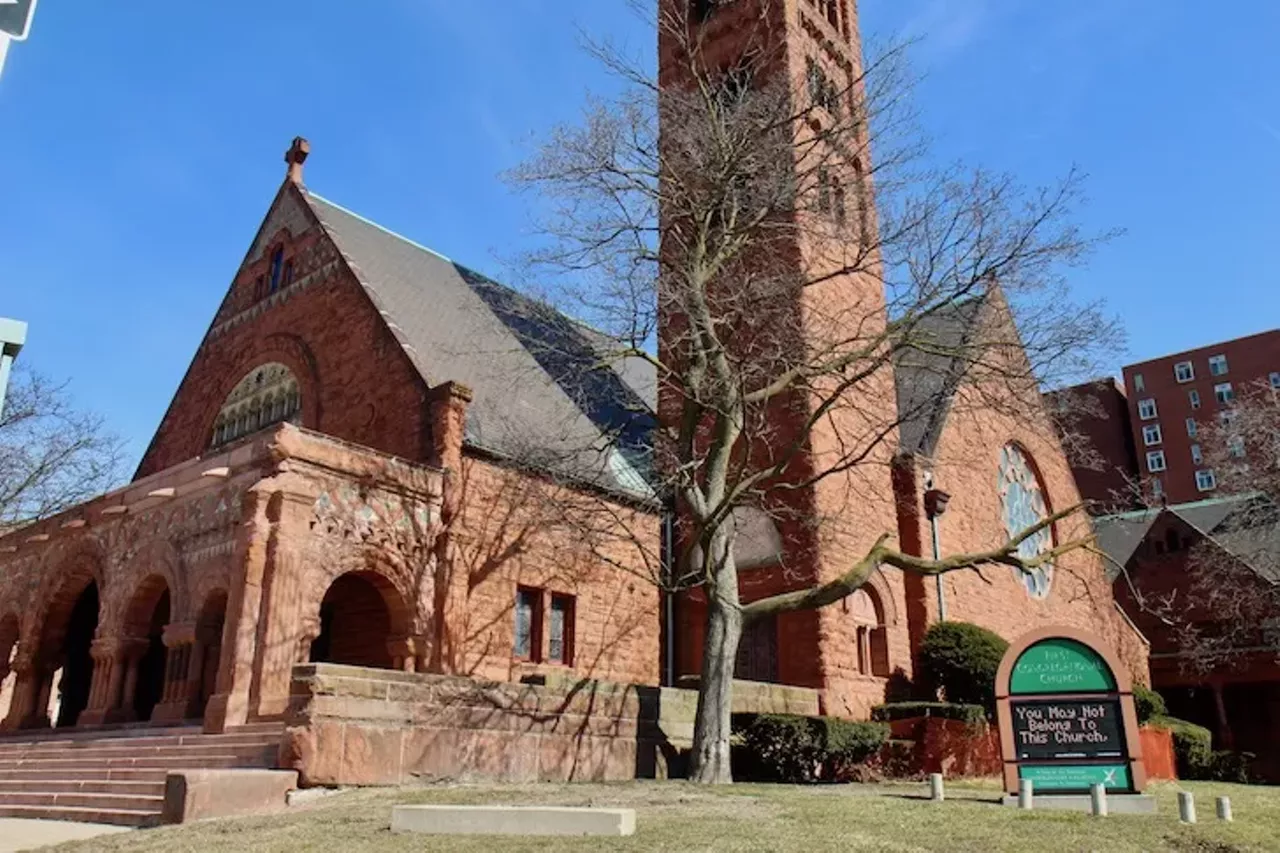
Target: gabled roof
1245,526
928,372
543,394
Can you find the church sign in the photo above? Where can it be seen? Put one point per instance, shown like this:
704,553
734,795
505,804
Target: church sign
1066,715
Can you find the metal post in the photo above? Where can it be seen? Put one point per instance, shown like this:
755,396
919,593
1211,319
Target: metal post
1224,809
1026,794
1186,807
1098,799
937,555
935,788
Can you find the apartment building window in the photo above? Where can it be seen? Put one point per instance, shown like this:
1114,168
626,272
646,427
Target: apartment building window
1235,446
824,190
1227,418
1151,435
1139,384
1197,455
1147,409
1155,461
1275,380
1193,428
1157,488
1218,365
560,629
1184,371
528,633
1206,481
1194,396
1223,393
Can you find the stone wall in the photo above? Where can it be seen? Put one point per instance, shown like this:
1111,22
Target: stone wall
353,726
354,379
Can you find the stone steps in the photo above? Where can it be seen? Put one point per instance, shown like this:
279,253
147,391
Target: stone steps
117,776
116,817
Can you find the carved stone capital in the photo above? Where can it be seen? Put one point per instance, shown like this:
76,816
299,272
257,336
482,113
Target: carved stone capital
179,634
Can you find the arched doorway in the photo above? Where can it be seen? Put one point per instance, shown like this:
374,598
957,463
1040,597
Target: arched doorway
146,619
357,617
77,663
213,617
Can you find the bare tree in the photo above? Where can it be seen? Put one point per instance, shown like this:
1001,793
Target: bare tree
729,226
1227,611
52,455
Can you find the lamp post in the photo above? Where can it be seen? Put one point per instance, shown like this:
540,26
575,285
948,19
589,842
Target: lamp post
935,505
15,23
12,336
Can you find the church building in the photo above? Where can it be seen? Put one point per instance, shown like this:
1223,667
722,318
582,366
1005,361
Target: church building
355,471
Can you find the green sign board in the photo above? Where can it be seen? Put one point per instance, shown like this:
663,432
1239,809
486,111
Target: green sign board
1063,778
1061,666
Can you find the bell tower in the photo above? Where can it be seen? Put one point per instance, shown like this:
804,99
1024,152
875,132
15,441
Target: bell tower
836,506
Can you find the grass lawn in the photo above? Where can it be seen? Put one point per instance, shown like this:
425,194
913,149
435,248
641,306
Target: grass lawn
679,816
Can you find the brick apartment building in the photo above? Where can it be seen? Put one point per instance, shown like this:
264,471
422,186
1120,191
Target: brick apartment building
1150,430
1173,398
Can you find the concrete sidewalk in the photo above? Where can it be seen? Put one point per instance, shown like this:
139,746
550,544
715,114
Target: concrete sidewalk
19,834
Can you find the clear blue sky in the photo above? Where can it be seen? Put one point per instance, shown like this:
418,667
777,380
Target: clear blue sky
142,141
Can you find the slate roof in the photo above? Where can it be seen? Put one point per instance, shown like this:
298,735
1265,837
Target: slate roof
543,395
928,373
1246,526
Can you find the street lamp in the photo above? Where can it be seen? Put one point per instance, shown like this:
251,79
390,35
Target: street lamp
12,336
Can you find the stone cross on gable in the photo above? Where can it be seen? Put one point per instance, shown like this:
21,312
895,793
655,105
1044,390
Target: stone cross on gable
295,157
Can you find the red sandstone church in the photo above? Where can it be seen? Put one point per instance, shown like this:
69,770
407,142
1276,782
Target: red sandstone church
345,476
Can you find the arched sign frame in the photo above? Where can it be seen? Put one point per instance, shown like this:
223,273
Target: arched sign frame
1120,693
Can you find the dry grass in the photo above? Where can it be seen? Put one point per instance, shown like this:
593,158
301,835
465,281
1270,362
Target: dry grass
678,816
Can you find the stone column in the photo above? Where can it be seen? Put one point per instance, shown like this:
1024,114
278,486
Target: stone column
284,610
22,706
105,652
229,706
179,639
447,412
124,681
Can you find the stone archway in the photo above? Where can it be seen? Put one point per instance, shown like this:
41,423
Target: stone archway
59,670
361,615
143,628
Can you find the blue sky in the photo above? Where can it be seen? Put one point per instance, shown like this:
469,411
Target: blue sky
142,142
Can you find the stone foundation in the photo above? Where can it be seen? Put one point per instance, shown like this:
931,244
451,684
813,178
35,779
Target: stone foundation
355,726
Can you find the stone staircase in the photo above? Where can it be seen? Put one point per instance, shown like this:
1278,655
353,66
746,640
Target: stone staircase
117,776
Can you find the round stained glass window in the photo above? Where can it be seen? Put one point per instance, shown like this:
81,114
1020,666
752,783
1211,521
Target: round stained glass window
1023,505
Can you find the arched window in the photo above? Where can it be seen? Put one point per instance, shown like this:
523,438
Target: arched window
870,636
268,395
1023,505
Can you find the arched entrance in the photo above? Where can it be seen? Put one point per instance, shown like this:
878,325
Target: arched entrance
213,617
9,630
145,621
76,662
357,618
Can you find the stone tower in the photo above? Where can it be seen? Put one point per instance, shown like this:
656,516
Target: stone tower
828,521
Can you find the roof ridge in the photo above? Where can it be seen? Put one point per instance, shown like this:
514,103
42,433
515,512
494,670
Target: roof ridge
367,221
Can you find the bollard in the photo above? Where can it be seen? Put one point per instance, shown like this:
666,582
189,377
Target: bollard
935,787
1026,794
1098,799
1186,807
1224,809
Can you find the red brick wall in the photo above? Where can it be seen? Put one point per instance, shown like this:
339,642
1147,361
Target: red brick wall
1249,360
966,465
355,381
512,531
1098,413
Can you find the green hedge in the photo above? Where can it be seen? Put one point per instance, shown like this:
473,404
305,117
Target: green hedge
961,660
943,710
794,749
1148,704
1192,746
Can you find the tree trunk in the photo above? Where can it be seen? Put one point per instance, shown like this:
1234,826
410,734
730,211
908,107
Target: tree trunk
709,762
